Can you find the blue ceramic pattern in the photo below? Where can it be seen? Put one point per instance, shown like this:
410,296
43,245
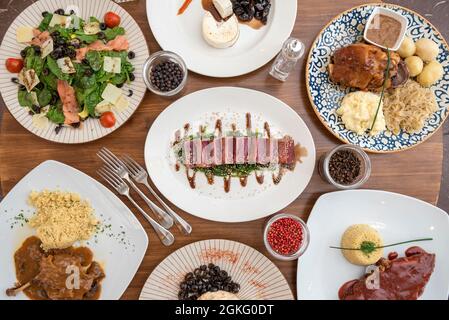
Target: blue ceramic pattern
347,29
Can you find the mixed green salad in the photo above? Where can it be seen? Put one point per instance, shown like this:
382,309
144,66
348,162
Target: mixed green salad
73,69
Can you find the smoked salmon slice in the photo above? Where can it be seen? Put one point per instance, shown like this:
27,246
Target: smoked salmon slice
39,37
120,43
70,106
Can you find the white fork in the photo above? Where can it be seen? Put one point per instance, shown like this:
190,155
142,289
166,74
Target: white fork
122,188
117,166
140,175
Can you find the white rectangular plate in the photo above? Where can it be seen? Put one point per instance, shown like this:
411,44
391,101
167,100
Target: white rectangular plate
322,271
120,248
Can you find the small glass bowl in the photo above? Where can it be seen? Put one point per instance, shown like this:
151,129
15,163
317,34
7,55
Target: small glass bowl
305,238
365,167
155,59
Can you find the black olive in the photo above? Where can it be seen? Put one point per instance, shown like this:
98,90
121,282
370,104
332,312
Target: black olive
130,93
55,54
75,43
45,71
103,26
37,49
60,12
55,34
58,128
132,77
72,12
88,72
44,13
85,62
131,55
15,80
53,100
23,53
72,53
36,109
22,87
101,35
119,85
60,42
76,124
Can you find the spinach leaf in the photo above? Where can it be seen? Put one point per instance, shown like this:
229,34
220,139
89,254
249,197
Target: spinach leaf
93,19
29,58
114,32
38,65
54,68
25,99
87,82
91,100
45,22
56,115
95,60
63,32
44,97
49,81
88,38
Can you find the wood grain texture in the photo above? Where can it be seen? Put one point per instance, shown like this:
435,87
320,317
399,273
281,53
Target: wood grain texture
415,172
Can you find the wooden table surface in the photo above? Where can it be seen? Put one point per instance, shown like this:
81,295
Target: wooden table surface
415,172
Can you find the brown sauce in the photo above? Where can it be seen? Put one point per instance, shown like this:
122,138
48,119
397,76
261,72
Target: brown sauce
208,5
248,121
43,276
227,183
278,177
191,178
233,127
186,128
259,178
384,30
218,126
266,127
177,166
210,178
243,181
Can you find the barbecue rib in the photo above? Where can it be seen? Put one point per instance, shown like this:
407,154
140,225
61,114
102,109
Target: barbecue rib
362,66
400,279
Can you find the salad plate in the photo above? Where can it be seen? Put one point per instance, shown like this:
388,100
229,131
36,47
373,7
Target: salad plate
119,245
230,107
326,96
253,49
257,276
51,124
396,217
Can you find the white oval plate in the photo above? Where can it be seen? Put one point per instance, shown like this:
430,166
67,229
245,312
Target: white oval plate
120,248
322,271
259,278
254,48
211,202
90,129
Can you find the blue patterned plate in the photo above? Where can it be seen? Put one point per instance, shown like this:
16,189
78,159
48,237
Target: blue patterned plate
325,96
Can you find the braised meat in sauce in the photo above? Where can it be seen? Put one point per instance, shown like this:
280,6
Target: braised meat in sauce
44,275
400,278
362,66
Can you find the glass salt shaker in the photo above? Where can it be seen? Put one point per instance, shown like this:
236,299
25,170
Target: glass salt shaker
292,51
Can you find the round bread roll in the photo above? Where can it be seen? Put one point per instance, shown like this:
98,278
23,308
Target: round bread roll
430,74
353,237
426,49
414,65
407,48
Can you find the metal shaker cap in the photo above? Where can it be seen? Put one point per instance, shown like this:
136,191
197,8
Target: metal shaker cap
293,48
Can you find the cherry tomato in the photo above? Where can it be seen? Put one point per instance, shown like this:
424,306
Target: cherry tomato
14,65
107,119
111,19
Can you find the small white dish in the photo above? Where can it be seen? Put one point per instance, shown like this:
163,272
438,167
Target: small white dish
389,13
322,270
119,249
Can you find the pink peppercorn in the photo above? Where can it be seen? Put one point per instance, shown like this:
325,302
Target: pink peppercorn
285,236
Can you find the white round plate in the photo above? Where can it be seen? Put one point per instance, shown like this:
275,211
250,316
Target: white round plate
91,129
396,217
259,278
325,96
254,48
211,201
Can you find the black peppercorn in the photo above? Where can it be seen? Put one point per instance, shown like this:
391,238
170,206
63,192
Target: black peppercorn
166,76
